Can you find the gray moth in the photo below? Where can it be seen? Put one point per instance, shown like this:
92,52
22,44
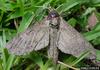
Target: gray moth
52,32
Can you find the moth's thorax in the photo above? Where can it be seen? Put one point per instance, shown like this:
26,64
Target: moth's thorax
53,19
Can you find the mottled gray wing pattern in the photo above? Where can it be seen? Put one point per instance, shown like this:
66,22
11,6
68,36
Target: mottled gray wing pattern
72,42
35,38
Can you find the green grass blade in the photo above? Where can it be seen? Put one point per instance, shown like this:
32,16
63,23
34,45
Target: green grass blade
10,62
82,56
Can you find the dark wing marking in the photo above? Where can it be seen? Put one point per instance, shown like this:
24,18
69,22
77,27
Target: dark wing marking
72,42
34,38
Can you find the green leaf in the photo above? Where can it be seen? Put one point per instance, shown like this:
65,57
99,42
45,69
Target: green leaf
88,11
14,14
97,26
70,4
2,5
72,21
95,1
37,59
21,6
10,33
1,68
47,64
10,62
10,6
82,56
92,35
98,54
26,20
3,51
96,41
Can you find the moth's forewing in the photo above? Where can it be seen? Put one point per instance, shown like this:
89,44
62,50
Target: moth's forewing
72,42
35,37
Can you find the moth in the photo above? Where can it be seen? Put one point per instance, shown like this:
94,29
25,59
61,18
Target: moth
54,33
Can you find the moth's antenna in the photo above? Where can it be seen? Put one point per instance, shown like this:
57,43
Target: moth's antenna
50,9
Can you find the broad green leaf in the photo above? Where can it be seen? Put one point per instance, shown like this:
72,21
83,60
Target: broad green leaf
95,1
10,33
97,26
82,56
98,54
11,6
3,51
1,67
70,4
88,11
72,22
96,41
47,64
92,35
26,20
2,5
37,59
21,6
4,38
10,62
14,14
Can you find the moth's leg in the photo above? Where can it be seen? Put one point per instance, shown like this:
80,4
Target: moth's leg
97,63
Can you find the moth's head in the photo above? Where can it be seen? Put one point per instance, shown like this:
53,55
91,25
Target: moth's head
53,18
53,14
